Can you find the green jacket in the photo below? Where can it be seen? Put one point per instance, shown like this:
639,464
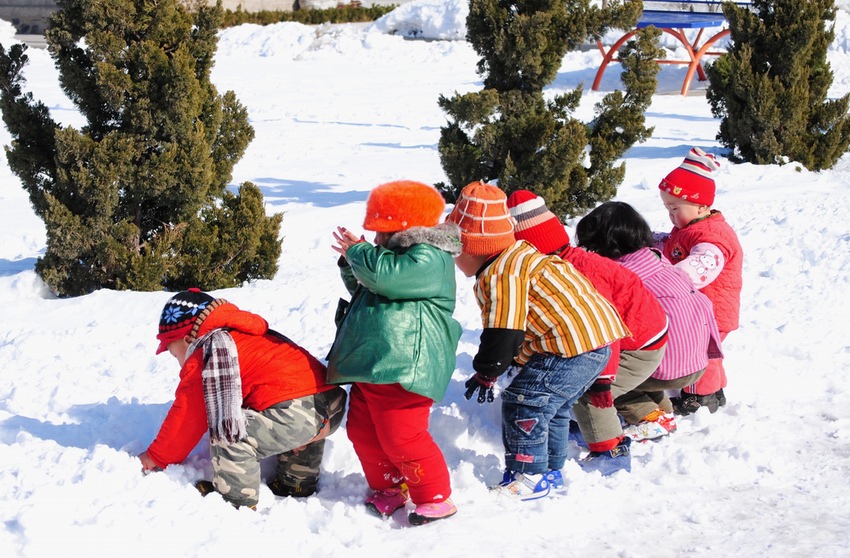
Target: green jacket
398,327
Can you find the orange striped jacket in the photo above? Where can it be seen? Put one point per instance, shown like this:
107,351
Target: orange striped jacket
557,307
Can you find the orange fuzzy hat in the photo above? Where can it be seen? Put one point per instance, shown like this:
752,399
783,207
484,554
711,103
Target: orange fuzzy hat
485,223
397,206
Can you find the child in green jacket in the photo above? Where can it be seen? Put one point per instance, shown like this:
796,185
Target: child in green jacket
396,345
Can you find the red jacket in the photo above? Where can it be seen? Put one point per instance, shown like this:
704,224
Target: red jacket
638,307
272,371
725,291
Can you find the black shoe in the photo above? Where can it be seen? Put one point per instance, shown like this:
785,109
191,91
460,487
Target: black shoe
205,487
690,402
721,397
301,490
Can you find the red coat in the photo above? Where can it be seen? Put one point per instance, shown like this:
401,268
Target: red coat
272,371
638,307
725,291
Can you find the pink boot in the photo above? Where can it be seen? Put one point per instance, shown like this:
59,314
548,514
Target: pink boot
385,502
433,511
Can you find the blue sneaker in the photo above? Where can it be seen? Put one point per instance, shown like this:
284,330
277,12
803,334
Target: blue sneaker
611,461
522,486
576,435
555,479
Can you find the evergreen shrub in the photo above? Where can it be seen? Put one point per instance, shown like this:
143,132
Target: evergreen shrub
137,197
770,88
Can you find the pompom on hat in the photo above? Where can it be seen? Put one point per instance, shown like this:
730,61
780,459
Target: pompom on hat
399,205
485,223
535,223
692,180
179,315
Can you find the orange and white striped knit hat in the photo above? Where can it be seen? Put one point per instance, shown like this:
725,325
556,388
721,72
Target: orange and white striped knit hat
693,180
485,223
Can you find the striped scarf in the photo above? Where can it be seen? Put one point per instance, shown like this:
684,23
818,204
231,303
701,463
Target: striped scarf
222,383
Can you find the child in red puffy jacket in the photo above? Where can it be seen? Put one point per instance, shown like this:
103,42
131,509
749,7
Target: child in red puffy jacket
633,359
706,248
256,392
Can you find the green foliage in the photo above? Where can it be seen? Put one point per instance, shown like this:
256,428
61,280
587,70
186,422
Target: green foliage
137,199
348,13
770,88
510,133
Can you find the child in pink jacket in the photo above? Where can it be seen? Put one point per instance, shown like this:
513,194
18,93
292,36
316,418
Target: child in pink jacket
706,248
633,359
615,230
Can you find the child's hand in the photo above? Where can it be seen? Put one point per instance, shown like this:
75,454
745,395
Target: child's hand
148,465
345,239
481,384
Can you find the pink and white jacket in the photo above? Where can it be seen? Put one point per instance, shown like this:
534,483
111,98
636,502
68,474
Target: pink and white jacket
709,251
693,336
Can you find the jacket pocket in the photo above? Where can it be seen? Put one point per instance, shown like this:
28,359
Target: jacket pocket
341,311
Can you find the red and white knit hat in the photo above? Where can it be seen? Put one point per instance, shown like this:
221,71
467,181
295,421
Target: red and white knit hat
485,223
535,223
692,180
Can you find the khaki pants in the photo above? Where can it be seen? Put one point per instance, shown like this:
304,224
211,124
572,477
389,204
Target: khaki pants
649,395
600,424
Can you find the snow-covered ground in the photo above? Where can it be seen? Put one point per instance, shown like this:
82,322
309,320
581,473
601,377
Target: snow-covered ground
338,110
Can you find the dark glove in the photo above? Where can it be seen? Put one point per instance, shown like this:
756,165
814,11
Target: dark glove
600,394
483,385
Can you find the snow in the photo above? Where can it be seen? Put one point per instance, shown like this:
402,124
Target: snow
339,109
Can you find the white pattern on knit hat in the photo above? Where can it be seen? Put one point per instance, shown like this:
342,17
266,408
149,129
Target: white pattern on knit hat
700,162
531,213
501,215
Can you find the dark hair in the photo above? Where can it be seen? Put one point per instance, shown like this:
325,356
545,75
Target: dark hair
613,229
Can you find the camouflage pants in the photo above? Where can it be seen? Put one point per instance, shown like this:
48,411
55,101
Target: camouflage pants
289,430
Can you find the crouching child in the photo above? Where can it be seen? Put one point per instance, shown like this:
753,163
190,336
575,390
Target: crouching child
542,315
256,392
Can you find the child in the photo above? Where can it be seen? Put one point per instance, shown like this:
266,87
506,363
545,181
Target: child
255,391
633,359
703,245
541,314
615,230
396,345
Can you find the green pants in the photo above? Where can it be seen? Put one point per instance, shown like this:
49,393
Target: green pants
288,430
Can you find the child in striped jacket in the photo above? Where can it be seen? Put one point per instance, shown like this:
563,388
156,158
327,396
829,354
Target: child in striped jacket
541,315
615,230
633,359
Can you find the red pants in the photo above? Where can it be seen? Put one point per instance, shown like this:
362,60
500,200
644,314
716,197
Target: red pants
388,426
714,378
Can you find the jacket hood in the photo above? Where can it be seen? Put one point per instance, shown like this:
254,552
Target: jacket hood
223,314
445,236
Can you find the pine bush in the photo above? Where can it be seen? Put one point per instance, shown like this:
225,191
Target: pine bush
510,133
137,198
770,88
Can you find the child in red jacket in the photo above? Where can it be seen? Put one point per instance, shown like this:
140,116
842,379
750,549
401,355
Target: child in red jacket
633,359
257,393
706,248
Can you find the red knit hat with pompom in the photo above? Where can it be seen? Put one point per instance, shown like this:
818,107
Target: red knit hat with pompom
535,223
397,206
693,180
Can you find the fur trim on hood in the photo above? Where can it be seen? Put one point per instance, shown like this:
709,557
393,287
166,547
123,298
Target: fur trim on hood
445,236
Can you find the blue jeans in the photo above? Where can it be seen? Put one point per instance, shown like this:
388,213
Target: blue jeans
536,407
